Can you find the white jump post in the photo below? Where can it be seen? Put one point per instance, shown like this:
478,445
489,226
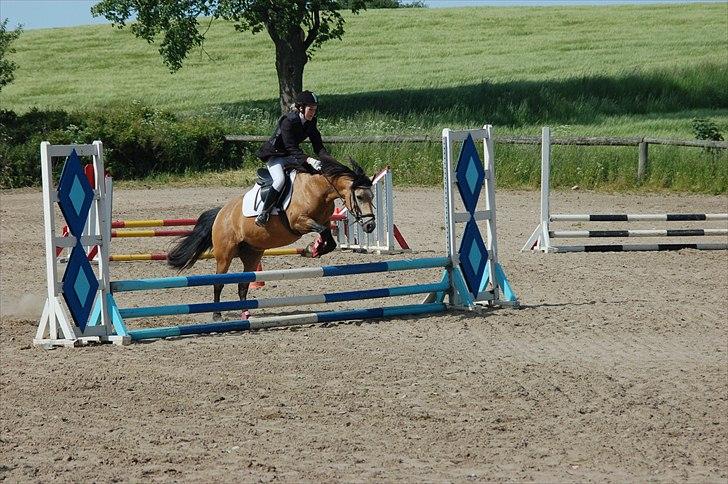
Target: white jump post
541,238
386,239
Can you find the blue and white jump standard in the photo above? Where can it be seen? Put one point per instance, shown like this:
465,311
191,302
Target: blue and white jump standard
469,253
80,288
471,275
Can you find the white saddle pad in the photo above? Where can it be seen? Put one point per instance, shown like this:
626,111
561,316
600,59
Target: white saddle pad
252,203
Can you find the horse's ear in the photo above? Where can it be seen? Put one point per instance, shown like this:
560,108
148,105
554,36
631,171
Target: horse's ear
355,166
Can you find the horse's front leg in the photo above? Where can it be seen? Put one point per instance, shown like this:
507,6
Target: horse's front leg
324,244
329,243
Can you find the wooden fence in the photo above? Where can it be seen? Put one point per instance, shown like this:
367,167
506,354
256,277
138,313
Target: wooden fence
642,142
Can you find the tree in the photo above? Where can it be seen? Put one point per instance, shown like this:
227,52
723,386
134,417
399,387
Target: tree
297,28
375,4
7,67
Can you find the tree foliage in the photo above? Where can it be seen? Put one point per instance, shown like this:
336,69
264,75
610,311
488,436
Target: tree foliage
297,28
374,4
7,67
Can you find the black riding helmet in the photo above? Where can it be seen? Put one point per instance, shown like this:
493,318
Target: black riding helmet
306,98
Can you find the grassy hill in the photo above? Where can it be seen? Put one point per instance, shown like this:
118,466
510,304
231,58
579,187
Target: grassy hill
611,70
602,70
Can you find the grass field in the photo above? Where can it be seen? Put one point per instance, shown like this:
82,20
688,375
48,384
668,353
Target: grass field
617,70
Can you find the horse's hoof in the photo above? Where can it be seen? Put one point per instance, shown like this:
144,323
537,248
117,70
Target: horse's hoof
216,316
246,314
318,247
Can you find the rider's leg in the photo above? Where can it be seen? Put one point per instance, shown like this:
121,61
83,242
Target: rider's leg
275,168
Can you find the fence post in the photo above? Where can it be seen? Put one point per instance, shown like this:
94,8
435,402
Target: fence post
643,161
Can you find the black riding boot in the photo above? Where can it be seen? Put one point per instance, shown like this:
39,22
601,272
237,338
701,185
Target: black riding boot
271,197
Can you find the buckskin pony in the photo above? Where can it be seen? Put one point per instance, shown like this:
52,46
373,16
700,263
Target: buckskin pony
230,234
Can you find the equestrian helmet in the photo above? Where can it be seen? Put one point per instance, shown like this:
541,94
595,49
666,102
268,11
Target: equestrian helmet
306,98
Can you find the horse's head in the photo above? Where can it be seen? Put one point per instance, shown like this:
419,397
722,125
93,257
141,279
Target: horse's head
354,187
362,206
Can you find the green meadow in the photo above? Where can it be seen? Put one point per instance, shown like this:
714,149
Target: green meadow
601,71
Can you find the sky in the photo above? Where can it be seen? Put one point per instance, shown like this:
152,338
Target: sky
39,14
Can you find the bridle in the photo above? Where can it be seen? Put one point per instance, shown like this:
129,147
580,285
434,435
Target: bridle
355,211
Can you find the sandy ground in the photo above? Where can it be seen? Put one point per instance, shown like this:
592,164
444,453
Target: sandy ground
616,368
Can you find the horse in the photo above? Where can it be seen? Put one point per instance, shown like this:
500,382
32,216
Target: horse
230,234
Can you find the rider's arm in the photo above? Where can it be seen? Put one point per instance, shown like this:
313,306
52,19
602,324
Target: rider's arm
318,144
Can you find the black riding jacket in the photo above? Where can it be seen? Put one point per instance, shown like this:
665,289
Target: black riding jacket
289,134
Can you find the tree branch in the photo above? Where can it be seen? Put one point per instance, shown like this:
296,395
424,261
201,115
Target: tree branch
313,33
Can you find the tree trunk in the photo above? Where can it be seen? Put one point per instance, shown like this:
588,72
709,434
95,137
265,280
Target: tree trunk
290,61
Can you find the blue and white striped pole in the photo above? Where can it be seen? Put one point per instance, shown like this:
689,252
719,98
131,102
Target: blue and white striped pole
173,309
278,275
290,320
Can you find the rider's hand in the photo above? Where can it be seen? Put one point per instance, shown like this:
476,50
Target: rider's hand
316,164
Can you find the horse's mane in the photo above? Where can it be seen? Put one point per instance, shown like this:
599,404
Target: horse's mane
333,169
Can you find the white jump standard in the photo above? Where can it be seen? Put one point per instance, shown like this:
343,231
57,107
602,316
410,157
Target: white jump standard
542,235
386,239
471,276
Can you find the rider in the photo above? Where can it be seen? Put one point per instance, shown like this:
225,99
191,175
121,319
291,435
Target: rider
283,147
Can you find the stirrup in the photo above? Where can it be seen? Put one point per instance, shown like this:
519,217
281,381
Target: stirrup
262,219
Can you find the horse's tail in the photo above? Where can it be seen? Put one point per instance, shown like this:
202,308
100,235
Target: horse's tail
192,246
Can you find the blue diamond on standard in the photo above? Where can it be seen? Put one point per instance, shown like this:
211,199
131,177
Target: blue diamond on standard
79,286
75,195
470,174
474,256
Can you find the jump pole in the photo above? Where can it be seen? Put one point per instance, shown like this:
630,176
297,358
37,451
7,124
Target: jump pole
541,238
205,255
290,274
471,275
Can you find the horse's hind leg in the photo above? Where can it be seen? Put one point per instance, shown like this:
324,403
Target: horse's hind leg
250,258
223,260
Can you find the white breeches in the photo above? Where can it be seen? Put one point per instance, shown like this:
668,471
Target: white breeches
275,168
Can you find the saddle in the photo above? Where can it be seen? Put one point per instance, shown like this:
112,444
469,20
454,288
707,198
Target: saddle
252,199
